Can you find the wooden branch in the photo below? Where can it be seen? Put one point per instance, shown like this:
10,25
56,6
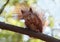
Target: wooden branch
1,10
25,30
28,32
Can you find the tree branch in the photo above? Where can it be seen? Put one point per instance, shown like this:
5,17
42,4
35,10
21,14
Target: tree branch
25,30
1,10
28,32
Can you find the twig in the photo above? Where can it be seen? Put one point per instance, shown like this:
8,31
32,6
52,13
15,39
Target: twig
28,32
1,10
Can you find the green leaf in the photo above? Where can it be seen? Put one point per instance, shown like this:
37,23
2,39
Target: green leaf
29,2
51,19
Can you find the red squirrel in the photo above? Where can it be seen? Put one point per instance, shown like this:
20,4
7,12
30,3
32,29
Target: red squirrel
32,21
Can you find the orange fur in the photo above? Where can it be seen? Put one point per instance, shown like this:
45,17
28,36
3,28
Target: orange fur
32,20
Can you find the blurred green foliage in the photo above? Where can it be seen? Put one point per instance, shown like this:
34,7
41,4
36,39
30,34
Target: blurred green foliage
9,36
51,19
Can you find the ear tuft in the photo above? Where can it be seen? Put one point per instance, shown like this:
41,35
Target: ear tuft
30,10
22,11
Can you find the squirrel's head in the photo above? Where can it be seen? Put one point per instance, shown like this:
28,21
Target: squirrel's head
26,13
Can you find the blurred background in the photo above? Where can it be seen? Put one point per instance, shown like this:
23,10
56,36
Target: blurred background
49,10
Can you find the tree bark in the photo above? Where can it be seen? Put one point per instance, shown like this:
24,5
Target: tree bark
28,32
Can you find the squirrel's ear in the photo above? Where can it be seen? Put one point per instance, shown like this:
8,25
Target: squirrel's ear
22,11
30,10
